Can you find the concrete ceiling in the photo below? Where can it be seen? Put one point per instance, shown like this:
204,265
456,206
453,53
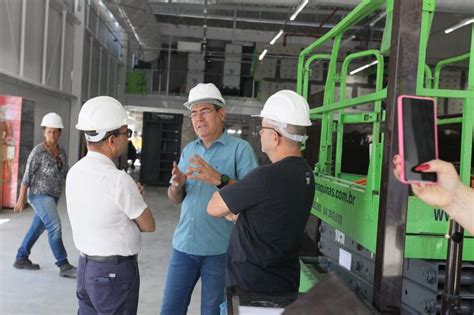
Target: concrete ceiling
213,23
257,22
253,17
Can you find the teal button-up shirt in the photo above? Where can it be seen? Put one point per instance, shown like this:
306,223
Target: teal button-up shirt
197,232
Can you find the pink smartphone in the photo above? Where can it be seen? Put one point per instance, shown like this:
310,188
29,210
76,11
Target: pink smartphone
417,137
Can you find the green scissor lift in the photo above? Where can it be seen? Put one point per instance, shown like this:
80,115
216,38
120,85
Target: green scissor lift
353,208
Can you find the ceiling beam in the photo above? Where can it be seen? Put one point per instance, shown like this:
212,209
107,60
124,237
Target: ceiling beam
159,7
255,20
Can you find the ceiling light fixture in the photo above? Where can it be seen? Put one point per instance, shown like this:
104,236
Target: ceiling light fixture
459,25
378,18
363,67
276,37
298,9
264,52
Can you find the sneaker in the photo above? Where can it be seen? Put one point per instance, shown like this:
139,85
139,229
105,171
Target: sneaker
25,264
67,271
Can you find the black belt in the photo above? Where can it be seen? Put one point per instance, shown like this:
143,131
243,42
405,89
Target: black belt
103,259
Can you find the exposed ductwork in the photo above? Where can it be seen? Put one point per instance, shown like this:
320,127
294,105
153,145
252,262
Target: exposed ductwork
137,18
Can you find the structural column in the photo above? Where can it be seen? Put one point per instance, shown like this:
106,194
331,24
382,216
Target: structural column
79,30
402,74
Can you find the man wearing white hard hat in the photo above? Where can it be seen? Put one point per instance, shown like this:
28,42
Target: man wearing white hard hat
107,213
273,203
44,177
209,163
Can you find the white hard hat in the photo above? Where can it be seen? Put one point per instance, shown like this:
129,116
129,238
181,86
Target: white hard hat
101,114
52,120
288,107
204,93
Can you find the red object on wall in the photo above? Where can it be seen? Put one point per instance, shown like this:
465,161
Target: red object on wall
10,128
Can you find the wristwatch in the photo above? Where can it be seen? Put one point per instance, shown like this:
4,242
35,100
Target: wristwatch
224,181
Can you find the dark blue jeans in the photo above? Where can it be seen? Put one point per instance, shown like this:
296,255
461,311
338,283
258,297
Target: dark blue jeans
107,287
46,217
183,272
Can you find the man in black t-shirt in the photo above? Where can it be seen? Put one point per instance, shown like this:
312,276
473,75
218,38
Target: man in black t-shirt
271,204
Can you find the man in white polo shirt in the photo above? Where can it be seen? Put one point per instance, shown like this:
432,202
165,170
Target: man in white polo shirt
107,213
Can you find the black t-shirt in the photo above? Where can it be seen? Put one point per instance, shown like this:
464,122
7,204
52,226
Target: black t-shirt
274,202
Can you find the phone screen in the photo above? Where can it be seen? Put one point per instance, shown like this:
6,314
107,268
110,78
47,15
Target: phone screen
419,137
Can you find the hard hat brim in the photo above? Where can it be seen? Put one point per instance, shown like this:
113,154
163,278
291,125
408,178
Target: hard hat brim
53,126
213,101
286,122
82,128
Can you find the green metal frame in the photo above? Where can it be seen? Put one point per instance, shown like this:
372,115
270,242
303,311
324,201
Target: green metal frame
417,218
307,70
353,208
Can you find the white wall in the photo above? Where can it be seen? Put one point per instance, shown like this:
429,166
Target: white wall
59,58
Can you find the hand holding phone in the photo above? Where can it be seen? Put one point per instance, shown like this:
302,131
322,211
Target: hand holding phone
417,137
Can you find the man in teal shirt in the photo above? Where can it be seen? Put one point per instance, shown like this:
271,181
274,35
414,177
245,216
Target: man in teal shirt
212,161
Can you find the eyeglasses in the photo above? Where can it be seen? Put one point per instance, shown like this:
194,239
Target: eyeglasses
203,112
260,130
129,133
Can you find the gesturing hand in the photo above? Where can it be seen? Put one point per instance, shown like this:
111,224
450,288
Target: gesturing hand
178,178
202,171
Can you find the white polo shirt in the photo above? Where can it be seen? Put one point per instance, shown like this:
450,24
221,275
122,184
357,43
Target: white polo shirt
102,202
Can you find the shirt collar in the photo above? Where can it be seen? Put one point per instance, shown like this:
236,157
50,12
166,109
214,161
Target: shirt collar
100,156
223,139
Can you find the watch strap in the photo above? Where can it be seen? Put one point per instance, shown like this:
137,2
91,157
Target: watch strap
224,181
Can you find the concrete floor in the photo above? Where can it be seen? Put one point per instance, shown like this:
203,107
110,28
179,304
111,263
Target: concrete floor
44,292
